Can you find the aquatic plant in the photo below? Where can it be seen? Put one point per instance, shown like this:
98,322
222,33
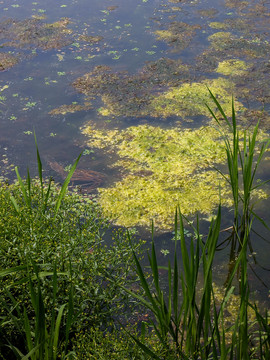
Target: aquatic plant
7,61
189,99
123,94
65,109
162,168
229,43
178,34
233,67
35,32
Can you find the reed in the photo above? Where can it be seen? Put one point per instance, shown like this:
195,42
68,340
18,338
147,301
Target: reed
188,319
44,339
45,193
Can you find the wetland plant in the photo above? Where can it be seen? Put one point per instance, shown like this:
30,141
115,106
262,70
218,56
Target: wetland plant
189,319
54,292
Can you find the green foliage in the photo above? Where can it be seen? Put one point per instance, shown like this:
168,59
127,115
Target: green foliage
54,258
114,345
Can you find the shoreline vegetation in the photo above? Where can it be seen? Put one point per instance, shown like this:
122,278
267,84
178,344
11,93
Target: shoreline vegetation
66,294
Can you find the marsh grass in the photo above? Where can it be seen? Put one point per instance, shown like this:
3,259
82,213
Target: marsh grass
188,317
44,339
54,258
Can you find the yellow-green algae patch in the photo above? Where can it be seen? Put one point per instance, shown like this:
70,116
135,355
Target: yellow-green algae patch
228,43
219,25
233,67
162,169
190,99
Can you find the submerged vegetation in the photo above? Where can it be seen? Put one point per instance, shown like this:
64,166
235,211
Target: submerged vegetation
190,99
161,169
7,61
178,34
34,33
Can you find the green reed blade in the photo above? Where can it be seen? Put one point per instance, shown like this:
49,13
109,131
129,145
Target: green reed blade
57,330
27,331
26,198
219,108
46,199
146,349
65,185
39,165
14,202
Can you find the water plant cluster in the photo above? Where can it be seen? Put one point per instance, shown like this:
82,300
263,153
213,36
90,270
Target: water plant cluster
60,279
65,294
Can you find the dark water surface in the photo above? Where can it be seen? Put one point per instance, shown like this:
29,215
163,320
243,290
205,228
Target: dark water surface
52,44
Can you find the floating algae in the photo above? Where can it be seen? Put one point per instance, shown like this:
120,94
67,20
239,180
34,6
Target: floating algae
35,33
233,67
162,168
64,109
7,61
233,45
190,99
178,34
129,95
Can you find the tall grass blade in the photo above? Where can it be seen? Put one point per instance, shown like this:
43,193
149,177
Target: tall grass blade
65,185
56,331
24,192
39,166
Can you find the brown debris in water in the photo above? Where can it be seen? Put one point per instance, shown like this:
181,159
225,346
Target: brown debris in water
7,61
178,34
64,109
35,33
89,180
91,39
111,8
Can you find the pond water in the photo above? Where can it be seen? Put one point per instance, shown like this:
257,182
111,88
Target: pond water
125,81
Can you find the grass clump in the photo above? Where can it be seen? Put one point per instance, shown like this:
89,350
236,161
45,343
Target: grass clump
55,266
